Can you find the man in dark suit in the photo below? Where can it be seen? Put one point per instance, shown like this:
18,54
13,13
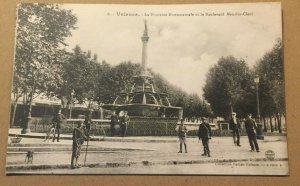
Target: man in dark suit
204,133
235,126
57,121
251,127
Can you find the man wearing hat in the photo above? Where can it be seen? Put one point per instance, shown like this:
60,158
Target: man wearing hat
57,122
204,133
251,127
182,130
235,126
78,139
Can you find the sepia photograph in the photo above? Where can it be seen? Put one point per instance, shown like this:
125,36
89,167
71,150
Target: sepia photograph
121,89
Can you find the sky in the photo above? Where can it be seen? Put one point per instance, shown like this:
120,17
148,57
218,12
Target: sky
185,40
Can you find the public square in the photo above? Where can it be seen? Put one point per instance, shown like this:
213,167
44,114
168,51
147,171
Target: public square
148,155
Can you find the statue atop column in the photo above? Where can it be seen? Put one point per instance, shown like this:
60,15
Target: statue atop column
145,39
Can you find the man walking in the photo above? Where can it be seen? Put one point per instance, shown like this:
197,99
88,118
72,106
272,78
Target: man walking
235,126
182,130
123,123
57,121
113,121
204,133
78,139
251,127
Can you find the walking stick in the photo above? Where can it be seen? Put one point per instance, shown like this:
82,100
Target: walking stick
87,145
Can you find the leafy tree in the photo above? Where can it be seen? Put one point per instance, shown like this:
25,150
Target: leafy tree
226,84
192,104
124,74
271,86
41,30
80,78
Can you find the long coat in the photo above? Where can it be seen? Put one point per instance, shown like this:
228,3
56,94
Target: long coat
57,120
79,135
204,131
250,126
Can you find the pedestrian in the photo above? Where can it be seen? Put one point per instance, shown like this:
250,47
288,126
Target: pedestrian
251,127
182,130
113,121
78,139
123,123
87,122
57,122
235,126
204,133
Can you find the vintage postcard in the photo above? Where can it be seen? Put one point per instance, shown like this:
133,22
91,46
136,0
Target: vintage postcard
148,89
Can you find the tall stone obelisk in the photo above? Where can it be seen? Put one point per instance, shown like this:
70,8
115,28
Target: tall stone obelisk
145,39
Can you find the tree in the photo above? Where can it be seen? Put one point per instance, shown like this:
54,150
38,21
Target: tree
271,86
80,78
122,76
225,87
192,104
41,30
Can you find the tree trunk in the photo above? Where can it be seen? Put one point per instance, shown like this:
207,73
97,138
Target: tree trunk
231,110
271,124
279,123
265,124
30,104
275,123
12,119
14,104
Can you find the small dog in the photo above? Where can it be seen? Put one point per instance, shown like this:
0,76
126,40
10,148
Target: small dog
50,134
29,157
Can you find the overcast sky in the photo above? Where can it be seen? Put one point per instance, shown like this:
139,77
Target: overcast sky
181,48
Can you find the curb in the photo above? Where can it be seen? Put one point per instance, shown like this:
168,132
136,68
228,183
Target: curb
11,168
12,150
108,139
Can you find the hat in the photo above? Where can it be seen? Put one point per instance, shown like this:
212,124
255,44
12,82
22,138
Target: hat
203,118
233,113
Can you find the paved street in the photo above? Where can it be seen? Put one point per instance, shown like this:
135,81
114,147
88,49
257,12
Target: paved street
117,157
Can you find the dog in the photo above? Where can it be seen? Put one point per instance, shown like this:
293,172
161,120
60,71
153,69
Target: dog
29,157
50,133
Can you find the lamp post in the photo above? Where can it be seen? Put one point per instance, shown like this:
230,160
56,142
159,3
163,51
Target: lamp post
256,81
259,130
72,94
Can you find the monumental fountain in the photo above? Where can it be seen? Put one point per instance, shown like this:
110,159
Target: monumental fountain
151,112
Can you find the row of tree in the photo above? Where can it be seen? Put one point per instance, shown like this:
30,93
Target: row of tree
230,87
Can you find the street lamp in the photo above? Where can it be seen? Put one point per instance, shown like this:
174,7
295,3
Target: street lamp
72,94
256,81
